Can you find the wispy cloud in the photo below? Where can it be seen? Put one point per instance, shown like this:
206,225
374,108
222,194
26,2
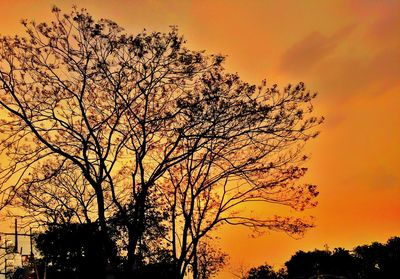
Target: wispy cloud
306,53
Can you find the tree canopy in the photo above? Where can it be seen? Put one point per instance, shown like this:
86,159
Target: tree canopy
372,261
142,134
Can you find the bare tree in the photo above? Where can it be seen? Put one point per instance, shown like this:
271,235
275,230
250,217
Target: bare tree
111,119
251,152
61,197
208,260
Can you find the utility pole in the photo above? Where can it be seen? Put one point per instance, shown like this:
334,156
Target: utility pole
5,258
30,241
16,236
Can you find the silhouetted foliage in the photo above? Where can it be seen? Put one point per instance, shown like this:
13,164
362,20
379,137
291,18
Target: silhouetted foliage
265,272
323,262
161,270
372,261
23,273
208,260
343,263
72,251
379,260
141,135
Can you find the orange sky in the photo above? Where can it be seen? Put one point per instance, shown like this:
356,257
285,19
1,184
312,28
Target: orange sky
348,51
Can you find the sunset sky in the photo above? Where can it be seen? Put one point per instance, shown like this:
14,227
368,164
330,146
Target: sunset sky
347,50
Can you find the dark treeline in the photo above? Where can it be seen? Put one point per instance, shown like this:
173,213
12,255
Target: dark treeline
376,260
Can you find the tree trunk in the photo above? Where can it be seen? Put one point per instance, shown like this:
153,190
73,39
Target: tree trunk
135,233
107,257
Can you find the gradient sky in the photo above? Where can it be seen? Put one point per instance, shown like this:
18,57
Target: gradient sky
348,51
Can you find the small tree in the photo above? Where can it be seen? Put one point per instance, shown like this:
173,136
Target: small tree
208,260
265,272
138,117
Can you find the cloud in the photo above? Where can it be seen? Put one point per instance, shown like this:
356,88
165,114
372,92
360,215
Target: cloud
383,70
384,30
385,180
351,76
305,54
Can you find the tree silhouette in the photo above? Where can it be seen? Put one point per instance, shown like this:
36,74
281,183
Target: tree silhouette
117,129
308,264
337,264
265,272
64,198
71,251
379,260
343,263
391,264
208,260
376,260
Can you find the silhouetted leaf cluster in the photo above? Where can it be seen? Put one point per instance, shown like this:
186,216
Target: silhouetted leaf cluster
72,251
372,261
